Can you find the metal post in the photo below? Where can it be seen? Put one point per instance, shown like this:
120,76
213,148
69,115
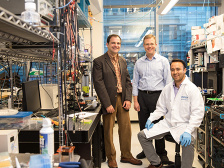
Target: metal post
60,101
157,29
91,57
39,72
51,74
11,82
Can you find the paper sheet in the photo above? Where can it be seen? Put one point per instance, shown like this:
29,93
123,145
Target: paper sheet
83,115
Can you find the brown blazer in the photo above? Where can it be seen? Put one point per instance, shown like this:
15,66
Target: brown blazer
105,82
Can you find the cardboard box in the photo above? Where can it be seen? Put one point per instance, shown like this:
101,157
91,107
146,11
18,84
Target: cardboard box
195,27
212,20
198,31
206,25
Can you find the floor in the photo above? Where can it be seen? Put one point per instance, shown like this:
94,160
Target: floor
136,149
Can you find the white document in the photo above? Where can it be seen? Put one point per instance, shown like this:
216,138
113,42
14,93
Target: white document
83,115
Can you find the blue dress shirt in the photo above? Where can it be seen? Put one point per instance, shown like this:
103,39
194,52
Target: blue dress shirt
175,88
152,74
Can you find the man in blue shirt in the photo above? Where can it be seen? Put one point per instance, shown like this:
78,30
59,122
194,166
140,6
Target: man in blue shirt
151,75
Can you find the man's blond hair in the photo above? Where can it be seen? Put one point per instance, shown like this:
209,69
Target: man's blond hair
149,36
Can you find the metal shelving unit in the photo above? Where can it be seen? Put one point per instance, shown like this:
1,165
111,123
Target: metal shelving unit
206,142
15,26
216,145
19,39
202,141
200,45
209,147
82,20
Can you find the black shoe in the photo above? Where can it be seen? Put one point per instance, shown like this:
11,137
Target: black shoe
141,155
164,159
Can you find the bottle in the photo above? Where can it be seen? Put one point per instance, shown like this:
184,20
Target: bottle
30,15
47,139
10,102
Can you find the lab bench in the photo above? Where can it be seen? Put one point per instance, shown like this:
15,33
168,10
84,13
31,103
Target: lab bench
86,138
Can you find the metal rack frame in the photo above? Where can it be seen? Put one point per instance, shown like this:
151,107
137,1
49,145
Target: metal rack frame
9,23
20,40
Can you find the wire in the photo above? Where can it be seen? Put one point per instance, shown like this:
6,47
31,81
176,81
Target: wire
2,87
65,138
5,68
63,6
48,95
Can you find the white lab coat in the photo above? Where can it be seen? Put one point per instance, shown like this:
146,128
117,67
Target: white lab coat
183,113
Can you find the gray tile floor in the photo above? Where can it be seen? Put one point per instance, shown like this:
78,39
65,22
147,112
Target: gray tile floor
136,148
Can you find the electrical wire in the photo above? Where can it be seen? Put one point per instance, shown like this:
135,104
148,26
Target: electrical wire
2,88
5,68
63,6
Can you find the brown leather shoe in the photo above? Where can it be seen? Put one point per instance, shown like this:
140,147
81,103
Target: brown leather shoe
151,166
112,163
131,160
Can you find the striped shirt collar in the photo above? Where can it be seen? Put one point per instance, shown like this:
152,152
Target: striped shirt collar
114,58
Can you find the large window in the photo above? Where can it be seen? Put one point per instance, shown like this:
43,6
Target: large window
174,29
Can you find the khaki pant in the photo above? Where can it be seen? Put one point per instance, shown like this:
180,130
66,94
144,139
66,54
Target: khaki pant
124,131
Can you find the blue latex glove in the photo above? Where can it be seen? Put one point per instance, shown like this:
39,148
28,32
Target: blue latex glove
148,124
185,139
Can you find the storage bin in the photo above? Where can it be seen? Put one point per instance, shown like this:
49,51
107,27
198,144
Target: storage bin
18,121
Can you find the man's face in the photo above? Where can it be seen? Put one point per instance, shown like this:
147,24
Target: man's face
177,71
150,46
114,45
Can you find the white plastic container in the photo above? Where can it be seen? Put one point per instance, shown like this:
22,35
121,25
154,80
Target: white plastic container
30,15
47,139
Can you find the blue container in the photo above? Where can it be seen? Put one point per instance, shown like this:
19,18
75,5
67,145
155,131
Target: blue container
18,121
84,6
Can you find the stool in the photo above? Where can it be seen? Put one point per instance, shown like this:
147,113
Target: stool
177,163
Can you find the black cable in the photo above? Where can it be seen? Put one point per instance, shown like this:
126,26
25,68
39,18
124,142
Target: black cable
5,68
2,88
19,69
28,76
48,95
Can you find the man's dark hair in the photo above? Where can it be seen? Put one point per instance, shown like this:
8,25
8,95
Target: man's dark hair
179,60
112,35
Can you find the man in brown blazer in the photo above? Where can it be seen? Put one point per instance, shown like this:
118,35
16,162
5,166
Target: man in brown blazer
113,87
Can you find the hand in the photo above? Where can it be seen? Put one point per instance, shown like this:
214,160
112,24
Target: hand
185,139
148,124
110,109
136,106
127,105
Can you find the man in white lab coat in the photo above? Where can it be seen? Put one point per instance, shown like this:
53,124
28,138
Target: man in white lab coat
182,105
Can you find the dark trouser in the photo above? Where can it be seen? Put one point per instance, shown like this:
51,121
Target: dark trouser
147,104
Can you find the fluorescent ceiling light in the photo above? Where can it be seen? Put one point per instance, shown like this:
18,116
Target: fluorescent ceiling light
166,6
147,31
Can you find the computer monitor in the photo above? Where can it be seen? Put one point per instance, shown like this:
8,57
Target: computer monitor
31,96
